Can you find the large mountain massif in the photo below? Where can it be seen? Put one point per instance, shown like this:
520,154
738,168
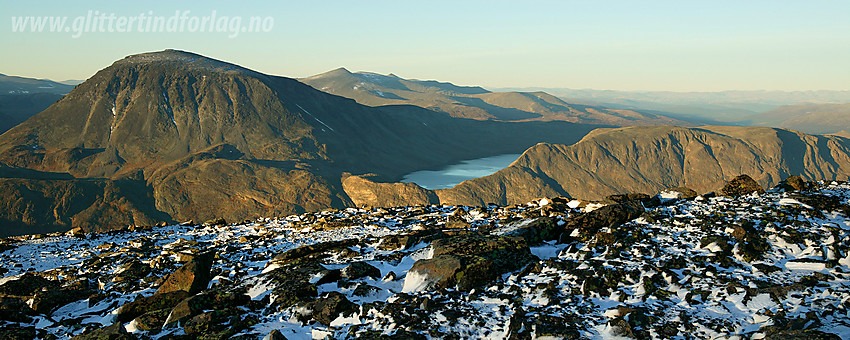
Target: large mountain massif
175,136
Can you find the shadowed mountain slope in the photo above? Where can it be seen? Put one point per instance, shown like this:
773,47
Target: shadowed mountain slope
21,98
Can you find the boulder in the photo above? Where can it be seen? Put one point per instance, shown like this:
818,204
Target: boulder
467,261
217,324
26,285
17,332
741,185
794,183
14,309
275,335
805,334
48,299
318,250
147,304
535,232
329,307
610,216
360,269
192,277
399,242
435,273
216,299
292,283
112,332
622,198
152,321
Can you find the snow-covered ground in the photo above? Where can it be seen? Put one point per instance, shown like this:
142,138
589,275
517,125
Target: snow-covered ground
711,267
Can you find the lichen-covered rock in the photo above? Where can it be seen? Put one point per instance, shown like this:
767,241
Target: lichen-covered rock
794,183
467,262
534,232
14,309
805,334
192,277
152,321
48,299
275,335
360,269
331,306
404,241
587,225
312,251
16,332
218,324
435,273
146,304
112,332
741,185
26,285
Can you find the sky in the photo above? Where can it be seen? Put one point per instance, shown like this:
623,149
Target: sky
615,45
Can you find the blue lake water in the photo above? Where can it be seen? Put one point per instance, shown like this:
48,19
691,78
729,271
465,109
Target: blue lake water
454,174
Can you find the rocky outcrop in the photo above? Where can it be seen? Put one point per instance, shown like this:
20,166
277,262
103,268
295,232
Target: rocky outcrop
364,192
467,262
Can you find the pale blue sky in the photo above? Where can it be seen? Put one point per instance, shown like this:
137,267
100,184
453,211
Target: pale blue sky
620,45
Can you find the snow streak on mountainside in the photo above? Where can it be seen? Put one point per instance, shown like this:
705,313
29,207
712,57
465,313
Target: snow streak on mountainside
771,265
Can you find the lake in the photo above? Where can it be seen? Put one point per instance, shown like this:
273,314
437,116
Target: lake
454,174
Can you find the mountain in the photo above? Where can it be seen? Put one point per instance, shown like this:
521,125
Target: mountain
180,136
640,160
21,98
474,102
809,118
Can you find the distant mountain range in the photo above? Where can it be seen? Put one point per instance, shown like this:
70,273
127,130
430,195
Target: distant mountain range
175,136
475,102
21,98
809,118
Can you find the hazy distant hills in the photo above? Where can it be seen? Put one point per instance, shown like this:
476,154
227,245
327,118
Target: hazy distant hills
474,102
809,118
175,136
711,107
22,85
20,98
640,160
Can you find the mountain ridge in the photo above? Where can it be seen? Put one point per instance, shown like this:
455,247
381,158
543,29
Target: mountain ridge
641,160
474,102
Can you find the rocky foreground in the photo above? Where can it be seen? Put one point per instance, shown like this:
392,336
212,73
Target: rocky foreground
741,264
